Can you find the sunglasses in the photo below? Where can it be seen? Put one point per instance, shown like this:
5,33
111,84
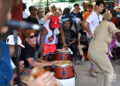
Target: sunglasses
32,36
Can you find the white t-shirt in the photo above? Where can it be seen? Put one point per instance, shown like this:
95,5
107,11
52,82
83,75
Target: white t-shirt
25,15
77,21
50,33
12,64
42,21
93,20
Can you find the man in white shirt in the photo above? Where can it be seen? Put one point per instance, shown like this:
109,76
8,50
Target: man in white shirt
25,15
90,25
94,19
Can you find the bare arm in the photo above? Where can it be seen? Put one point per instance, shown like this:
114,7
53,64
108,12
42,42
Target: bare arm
79,35
73,41
33,63
62,34
86,28
47,17
75,25
42,39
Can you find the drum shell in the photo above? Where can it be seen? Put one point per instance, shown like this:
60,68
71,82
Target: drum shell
64,72
67,82
62,56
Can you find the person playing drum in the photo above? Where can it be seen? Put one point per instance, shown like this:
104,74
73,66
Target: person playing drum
48,36
70,38
44,80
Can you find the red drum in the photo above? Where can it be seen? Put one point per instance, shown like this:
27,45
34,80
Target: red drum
64,70
62,54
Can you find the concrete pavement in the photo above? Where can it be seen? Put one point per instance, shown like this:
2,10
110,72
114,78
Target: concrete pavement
83,77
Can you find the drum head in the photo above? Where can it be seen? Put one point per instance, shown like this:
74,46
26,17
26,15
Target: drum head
25,79
37,71
62,51
64,63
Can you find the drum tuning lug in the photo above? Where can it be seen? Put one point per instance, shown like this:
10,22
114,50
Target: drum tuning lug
61,57
64,72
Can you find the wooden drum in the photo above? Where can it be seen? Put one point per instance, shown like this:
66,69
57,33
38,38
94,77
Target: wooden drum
62,54
64,70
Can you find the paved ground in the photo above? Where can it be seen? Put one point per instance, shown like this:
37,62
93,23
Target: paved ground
83,78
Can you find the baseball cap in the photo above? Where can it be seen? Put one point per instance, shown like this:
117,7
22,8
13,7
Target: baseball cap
10,41
54,21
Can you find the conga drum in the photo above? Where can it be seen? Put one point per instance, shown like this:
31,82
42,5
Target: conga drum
38,71
25,80
62,54
67,82
64,70
25,77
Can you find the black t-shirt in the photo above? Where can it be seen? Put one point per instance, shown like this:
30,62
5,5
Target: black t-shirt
83,38
69,35
32,20
78,15
27,52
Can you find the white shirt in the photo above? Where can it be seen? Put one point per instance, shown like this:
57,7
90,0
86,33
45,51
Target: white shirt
93,20
12,64
77,21
25,15
41,21
49,34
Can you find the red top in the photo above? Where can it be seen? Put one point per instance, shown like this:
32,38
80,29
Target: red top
114,20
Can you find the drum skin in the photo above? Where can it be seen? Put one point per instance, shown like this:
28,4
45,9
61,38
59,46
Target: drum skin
64,72
38,71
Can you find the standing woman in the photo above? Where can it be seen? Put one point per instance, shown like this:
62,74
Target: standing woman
99,49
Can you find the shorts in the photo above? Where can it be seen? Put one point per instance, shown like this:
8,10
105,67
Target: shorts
49,49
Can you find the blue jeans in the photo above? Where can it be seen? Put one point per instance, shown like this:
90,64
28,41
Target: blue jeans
6,71
74,49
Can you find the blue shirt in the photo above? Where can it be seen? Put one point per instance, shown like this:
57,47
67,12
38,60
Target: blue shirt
65,18
6,71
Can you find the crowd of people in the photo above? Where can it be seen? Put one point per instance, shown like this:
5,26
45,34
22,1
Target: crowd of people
90,34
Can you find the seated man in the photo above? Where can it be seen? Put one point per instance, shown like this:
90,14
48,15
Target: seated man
69,37
27,53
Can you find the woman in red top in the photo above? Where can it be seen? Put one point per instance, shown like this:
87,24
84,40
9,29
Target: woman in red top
114,19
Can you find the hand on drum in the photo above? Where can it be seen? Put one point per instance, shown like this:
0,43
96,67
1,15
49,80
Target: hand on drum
21,63
47,79
51,63
65,46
